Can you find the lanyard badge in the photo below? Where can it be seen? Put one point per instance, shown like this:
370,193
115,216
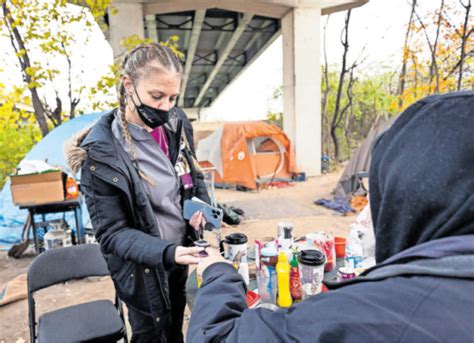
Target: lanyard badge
183,170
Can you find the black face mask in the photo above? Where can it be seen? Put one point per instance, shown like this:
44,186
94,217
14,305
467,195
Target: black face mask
152,117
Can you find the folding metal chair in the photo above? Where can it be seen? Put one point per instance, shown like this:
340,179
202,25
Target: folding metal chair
95,321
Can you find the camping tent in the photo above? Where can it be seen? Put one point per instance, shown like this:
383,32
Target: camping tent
246,153
360,160
50,148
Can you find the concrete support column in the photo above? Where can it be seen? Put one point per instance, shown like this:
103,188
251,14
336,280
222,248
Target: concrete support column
126,22
302,86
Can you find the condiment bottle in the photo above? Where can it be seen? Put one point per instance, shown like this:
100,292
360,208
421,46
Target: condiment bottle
295,282
283,274
72,190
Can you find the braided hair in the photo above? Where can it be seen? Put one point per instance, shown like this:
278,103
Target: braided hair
142,60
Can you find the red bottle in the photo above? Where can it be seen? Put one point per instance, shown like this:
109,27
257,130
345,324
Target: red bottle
295,282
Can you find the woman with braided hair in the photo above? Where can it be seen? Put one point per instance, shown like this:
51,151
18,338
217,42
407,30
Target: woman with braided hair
136,171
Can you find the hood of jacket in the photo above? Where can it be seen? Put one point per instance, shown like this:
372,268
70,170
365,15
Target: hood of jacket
421,175
96,140
75,154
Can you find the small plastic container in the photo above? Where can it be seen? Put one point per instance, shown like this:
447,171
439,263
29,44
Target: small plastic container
340,243
267,276
344,274
57,239
202,244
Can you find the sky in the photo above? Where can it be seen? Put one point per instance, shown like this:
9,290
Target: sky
376,33
90,57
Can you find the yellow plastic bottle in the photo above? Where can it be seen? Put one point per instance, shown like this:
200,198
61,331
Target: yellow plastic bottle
283,274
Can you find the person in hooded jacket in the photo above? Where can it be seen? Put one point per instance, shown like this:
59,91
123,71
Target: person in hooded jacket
137,167
422,287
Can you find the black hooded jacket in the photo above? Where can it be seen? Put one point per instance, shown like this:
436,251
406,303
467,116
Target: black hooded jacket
422,289
138,259
421,178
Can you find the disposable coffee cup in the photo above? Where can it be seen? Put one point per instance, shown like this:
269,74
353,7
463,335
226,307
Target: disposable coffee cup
237,253
311,268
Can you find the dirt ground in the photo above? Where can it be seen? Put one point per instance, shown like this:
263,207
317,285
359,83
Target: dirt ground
300,211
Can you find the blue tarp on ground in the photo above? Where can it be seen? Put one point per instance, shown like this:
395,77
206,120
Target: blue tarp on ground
50,148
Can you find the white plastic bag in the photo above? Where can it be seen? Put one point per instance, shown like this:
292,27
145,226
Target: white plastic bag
360,245
33,167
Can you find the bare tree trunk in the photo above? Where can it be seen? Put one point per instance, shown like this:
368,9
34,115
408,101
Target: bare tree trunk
465,36
434,71
349,106
415,65
350,112
73,102
324,106
337,111
19,46
434,64
403,71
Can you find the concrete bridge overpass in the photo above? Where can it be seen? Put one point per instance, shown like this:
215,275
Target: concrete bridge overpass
221,38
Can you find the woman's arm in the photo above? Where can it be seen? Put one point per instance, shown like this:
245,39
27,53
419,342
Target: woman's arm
111,222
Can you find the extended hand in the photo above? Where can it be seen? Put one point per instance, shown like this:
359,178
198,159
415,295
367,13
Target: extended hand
214,257
187,256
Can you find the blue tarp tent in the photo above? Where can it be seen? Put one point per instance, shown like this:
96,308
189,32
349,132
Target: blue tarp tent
50,148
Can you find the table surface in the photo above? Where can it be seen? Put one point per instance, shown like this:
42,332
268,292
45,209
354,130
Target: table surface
191,283
53,205
56,207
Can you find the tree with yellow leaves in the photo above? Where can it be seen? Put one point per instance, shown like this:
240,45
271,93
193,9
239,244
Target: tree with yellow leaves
438,55
39,39
19,132
41,33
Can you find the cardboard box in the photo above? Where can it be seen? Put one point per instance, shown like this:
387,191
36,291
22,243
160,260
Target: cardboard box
35,189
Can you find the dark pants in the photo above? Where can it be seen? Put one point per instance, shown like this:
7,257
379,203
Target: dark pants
143,326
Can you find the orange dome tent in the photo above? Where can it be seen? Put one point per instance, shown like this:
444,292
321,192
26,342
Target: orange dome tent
246,153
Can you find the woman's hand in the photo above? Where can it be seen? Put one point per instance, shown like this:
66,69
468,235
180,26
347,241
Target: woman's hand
197,221
214,257
186,256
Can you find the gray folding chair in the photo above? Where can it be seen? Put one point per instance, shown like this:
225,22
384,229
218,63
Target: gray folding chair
95,321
